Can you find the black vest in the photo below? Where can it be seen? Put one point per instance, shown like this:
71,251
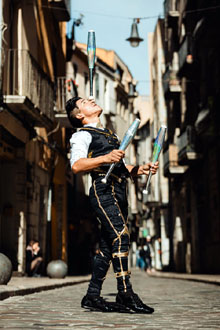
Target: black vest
103,142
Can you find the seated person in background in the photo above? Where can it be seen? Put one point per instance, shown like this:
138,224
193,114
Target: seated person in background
33,259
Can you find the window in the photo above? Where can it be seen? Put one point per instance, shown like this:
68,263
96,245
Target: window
119,72
106,95
75,70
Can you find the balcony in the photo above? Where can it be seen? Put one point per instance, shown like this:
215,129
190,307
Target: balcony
61,10
186,143
171,82
185,55
27,90
171,165
171,12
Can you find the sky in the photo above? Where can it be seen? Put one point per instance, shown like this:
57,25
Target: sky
111,20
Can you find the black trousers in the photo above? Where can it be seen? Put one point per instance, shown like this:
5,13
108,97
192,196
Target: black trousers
111,207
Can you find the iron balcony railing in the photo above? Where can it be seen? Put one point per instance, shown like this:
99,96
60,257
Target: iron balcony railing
170,156
187,146
22,76
186,141
171,165
66,88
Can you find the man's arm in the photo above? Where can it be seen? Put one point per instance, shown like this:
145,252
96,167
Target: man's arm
80,143
143,169
88,164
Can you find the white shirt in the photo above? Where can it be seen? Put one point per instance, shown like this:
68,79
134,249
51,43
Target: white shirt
79,144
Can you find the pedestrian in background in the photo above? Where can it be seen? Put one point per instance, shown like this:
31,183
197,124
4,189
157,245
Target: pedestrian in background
148,254
33,259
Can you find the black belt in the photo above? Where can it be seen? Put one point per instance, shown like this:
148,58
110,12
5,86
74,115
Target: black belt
99,173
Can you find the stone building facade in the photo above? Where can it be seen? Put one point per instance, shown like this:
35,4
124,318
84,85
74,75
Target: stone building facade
32,149
191,87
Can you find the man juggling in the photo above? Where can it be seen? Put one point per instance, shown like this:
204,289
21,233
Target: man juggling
94,149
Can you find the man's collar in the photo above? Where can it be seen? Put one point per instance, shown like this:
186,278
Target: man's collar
97,125
90,125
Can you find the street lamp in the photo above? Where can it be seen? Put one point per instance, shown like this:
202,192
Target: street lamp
134,38
76,22
70,38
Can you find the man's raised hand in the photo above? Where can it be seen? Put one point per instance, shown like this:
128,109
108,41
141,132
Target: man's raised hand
114,156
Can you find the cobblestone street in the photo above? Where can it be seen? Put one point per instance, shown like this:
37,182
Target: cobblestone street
178,305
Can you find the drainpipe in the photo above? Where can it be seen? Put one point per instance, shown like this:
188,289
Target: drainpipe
22,244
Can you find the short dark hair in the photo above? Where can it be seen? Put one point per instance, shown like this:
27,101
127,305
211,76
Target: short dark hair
70,107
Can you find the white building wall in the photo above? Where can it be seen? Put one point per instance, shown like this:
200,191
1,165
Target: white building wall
106,98
159,184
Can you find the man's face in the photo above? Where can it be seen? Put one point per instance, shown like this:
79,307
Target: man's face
88,108
35,246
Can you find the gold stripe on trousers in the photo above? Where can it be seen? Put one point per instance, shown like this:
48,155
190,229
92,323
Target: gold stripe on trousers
125,231
123,274
119,255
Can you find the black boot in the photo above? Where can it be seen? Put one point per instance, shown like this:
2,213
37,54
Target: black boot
97,303
132,301
101,265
